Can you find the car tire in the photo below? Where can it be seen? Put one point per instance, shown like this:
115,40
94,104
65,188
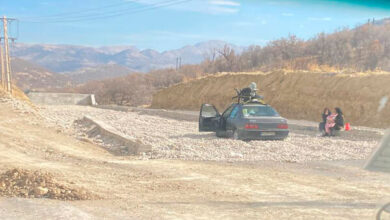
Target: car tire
384,209
236,136
219,133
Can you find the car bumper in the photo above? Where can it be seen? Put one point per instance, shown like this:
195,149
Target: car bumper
264,135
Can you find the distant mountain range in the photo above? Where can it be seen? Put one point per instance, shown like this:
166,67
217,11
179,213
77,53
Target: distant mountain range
99,72
32,76
69,58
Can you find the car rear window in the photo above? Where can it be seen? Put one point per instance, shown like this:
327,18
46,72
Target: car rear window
258,111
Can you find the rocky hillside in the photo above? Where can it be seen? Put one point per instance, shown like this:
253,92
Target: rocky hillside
28,75
100,72
68,58
296,95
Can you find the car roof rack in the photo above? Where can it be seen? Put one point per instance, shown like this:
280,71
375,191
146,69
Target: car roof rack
248,96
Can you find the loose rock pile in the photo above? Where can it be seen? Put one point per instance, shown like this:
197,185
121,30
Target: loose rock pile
29,184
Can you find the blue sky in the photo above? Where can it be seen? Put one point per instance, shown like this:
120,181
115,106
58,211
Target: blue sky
181,22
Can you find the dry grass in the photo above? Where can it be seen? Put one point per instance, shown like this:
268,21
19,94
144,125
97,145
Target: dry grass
296,95
16,93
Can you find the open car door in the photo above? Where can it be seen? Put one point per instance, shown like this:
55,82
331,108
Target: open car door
208,118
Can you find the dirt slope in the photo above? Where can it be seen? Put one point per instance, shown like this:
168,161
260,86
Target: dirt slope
16,93
296,95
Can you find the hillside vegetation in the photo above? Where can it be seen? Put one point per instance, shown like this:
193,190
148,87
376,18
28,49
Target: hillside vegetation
99,72
363,48
296,95
135,89
27,75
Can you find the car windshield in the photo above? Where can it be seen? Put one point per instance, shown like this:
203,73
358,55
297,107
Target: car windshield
258,111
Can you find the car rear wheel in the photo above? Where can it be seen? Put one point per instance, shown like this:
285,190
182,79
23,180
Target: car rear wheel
236,136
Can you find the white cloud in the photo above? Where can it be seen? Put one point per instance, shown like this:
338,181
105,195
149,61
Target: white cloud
223,6
225,3
320,19
225,10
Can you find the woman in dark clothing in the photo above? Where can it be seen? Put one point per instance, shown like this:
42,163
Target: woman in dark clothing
339,120
325,115
334,123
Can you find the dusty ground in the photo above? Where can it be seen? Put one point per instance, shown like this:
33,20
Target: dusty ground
133,188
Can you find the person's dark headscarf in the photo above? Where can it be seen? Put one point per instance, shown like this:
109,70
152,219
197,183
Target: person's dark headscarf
326,110
338,111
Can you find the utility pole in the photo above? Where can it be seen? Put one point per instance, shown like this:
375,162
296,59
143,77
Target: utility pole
7,63
5,57
2,66
178,63
10,64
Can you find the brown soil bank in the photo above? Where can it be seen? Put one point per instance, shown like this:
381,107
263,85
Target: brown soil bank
16,93
296,95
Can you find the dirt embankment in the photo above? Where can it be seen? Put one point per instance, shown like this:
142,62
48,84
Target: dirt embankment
16,93
296,95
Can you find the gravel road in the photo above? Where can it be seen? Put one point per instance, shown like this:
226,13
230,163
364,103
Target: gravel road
178,139
204,184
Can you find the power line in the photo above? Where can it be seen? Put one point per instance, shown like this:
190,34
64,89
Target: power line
115,13
110,13
83,11
124,12
84,16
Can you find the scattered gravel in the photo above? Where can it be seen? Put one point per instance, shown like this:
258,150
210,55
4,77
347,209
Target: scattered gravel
172,139
35,184
19,106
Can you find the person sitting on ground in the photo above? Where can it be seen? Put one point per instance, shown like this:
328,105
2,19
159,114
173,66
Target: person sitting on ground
339,120
330,123
325,115
334,122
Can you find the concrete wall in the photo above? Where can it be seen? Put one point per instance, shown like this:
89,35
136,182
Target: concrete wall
131,144
380,159
61,98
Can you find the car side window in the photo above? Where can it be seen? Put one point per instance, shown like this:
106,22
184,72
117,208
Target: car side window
208,111
235,112
228,111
